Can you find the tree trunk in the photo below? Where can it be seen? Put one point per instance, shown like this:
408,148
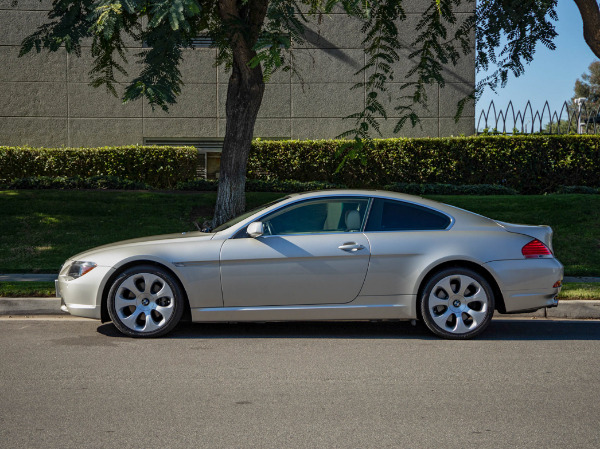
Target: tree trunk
244,97
590,15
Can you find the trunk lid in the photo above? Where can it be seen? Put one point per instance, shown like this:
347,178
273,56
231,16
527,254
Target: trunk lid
542,233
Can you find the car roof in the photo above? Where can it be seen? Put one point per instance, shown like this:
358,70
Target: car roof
460,218
465,216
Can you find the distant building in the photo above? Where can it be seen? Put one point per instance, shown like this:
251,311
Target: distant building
45,99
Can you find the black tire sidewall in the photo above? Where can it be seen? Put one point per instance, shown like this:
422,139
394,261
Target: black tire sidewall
177,296
424,303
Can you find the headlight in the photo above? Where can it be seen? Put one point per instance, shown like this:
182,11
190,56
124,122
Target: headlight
78,269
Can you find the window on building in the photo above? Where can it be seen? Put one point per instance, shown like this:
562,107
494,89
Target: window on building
209,151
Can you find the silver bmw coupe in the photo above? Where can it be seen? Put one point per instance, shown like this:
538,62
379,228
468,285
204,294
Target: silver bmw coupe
328,255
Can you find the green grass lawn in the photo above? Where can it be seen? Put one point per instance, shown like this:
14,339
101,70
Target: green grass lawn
40,229
580,291
27,289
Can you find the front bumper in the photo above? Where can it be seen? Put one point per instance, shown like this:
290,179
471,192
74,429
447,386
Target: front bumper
528,284
83,296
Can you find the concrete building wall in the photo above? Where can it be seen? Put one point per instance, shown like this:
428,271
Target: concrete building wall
45,99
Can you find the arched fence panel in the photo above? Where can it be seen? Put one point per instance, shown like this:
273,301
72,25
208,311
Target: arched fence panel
574,117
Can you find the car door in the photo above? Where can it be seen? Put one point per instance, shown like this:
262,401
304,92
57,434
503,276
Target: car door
405,238
311,252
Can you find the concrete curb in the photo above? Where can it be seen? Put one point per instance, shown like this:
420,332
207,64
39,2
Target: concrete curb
580,309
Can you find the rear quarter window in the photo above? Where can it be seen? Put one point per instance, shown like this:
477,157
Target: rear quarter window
391,215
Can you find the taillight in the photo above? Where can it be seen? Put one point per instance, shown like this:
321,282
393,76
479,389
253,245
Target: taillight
534,249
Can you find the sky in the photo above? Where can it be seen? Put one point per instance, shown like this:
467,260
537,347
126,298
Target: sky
552,73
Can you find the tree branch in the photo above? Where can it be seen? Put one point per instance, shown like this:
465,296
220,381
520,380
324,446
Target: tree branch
590,15
242,40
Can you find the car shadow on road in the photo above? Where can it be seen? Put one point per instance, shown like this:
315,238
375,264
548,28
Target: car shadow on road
507,329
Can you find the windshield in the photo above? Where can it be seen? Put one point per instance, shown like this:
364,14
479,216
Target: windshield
245,215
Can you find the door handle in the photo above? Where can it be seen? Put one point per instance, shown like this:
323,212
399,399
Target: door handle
351,247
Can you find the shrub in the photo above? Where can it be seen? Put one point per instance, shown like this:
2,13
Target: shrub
529,164
202,185
75,182
578,189
260,185
161,167
449,189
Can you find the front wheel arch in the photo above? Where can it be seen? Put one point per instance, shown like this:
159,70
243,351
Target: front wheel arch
104,317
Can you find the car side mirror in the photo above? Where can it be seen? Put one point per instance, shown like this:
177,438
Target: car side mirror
255,229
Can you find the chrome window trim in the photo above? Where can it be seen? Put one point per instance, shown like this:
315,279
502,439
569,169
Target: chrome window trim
299,198
310,233
368,198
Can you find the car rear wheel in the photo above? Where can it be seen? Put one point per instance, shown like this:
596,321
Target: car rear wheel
457,303
145,301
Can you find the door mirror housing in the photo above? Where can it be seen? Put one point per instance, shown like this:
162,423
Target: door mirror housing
255,229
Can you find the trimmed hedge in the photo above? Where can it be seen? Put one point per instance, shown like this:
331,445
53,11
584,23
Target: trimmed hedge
528,164
578,189
449,189
75,182
258,185
161,167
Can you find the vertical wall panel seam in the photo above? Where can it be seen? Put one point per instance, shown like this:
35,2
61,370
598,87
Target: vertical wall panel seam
439,113
218,117
143,121
68,105
290,113
291,98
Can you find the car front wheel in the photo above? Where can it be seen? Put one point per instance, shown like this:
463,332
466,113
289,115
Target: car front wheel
457,303
145,301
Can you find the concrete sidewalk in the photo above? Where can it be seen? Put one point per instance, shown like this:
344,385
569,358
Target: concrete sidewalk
51,306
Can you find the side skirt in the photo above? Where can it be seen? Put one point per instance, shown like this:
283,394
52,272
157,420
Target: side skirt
304,313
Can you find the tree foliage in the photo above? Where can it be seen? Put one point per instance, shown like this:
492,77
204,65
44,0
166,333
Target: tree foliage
588,87
584,118
506,36
255,38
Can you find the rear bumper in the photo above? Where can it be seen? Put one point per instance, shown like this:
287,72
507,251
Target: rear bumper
527,284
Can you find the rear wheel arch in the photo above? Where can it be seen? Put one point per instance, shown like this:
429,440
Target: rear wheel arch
499,299
104,317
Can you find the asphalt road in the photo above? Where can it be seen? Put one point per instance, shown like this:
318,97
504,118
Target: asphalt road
79,384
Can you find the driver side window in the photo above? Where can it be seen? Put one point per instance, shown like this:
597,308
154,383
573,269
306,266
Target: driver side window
318,216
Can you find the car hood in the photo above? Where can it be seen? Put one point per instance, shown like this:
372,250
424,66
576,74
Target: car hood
154,239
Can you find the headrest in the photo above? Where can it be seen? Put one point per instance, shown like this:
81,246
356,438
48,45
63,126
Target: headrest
353,220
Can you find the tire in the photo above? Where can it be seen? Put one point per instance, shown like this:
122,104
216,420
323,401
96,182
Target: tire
457,303
145,301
